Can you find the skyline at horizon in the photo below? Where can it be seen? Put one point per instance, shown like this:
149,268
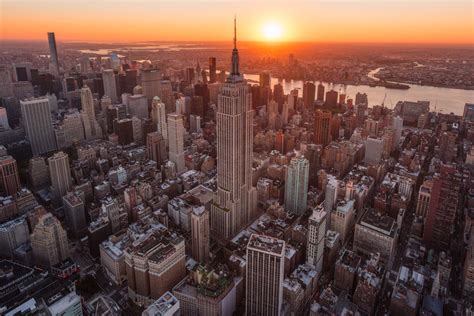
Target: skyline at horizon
349,21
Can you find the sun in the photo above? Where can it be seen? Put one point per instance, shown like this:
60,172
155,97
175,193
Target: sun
272,31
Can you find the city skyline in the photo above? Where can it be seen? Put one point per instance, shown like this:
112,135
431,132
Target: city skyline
361,21
267,179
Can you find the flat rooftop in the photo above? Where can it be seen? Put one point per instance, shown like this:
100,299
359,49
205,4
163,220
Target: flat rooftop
267,244
381,223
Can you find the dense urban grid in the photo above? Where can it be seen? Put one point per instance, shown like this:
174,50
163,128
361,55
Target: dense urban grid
144,187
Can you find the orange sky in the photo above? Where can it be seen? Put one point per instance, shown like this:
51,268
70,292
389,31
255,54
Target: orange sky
405,21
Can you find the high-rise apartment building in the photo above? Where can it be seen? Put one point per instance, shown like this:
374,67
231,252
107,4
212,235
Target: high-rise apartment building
316,238
110,85
60,174
176,141
200,234
236,199
322,127
9,178
264,275
53,50
49,241
38,125
296,186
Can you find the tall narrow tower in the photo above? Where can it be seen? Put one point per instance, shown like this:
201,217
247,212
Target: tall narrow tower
176,141
296,186
235,203
53,50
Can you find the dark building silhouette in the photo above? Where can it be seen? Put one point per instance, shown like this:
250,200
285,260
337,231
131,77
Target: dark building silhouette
331,98
320,96
212,70
322,127
309,92
279,96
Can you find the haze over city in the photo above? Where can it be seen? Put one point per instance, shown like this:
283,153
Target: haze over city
401,21
277,158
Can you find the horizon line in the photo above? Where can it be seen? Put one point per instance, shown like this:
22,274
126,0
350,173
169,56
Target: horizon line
72,41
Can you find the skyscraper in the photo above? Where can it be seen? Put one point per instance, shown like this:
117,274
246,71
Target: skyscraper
13,233
322,127
264,275
110,85
265,79
361,98
398,126
373,150
278,95
53,50
158,115
49,241
296,185
331,98
309,91
330,196
316,238
60,174
156,147
236,199
320,96
9,178
443,206
176,140
38,125
87,103
75,214
212,70
200,233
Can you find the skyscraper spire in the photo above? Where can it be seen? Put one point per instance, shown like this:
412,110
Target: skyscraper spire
235,32
234,73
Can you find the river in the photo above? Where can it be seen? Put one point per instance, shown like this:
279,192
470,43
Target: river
445,100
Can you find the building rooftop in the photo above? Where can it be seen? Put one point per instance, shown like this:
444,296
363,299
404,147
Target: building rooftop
267,244
349,259
331,238
345,206
383,224
166,304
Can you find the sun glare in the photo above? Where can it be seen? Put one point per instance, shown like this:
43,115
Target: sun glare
272,31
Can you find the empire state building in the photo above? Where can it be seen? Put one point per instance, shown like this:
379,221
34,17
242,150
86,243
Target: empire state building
235,203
